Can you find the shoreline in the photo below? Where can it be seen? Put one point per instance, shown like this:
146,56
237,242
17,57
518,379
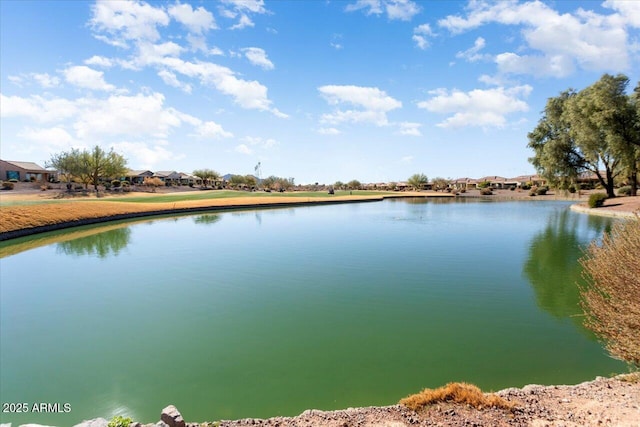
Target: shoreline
21,220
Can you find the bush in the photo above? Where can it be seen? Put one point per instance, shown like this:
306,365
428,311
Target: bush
572,189
512,188
119,421
624,191
486,191
461,393
611,296
542,191
596,200
7,185
116,183
533,192
527,186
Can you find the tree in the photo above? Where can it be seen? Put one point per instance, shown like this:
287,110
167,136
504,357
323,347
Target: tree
586,130
338,185
440,183
611,298
354,184
90,166
207,176
236,181
417,181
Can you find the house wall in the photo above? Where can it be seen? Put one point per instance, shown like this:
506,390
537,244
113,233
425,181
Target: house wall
9,171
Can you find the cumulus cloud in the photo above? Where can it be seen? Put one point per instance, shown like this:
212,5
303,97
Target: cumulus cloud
197,21
559,42
402,10
37,108
242,8
372,104
146,155
421,34
211,130
172,80
482,108
409,128
99,61
87,78
258,56
51,138
473,53
127,20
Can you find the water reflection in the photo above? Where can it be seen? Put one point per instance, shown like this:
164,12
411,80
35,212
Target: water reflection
552,265
207,219
110,242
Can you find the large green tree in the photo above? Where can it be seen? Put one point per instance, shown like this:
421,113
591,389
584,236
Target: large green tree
595,129
89,166
418,181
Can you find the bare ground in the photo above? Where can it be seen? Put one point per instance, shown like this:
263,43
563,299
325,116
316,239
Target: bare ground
601,402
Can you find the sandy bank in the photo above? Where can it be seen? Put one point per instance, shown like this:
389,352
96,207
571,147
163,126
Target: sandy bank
23,220
621,207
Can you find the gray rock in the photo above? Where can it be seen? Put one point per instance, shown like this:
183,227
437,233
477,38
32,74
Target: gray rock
172,417
96,422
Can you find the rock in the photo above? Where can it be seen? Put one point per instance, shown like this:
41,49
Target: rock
96,422
172,417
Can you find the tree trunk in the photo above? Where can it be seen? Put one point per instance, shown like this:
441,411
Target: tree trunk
633,181
609,184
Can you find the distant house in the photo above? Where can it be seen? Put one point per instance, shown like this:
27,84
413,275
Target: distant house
138,176
533,180
168,177
464,183
24,171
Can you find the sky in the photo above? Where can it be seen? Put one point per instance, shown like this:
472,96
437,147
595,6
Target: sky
321,91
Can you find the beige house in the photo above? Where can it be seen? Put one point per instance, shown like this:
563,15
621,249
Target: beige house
24,171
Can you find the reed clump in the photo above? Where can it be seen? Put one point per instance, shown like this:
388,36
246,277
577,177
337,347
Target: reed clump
460,393
611,297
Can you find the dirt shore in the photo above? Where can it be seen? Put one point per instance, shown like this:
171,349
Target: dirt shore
602,402
597,403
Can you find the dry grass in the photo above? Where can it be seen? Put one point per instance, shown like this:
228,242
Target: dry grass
460,393
611,298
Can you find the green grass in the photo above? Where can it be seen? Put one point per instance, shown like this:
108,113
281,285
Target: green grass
225,194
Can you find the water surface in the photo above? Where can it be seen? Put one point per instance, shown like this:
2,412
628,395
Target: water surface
271,312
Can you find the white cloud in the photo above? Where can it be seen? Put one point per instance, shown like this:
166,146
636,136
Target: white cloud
99,61
559,42
473,53
87,78
127,20
260,142
482,108
370,98
406,159
329,131
146,155
396,9
373,104
136,115
212,130
37,108
172,80
409,128
197,21
420,34
243,149
243,22
258,57
45,80
629,11
253,6
48,138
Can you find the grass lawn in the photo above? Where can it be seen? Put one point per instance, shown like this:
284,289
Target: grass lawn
225,194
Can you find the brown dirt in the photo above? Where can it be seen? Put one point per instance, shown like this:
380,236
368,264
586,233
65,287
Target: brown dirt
602,402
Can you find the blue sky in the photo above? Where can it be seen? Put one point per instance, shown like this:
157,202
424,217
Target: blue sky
373,90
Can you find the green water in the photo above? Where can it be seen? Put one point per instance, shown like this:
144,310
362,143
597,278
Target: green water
264,313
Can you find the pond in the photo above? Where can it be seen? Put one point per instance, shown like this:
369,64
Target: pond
270,312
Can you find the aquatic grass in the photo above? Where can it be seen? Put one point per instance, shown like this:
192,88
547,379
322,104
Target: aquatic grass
460,393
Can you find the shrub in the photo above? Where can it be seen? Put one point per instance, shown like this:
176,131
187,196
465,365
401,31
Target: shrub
542,191
463,190
484,184
596,200
624,191
13,180
611,296
572,189
119,421
486,191
527,186
533,192
462,393
512,188
7,185
116,183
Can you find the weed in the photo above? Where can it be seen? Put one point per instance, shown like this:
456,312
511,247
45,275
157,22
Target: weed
461,393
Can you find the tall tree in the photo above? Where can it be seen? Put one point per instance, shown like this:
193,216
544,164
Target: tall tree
417,181
586,131
98,163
